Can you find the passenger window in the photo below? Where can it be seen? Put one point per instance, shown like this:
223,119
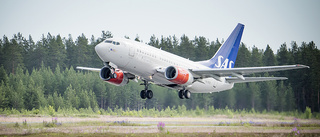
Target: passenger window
117,43
108,41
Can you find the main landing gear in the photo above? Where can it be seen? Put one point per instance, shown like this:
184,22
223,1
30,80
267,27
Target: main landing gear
184,94
146,93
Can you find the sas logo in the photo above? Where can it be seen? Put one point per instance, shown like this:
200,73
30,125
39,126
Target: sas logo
225,64
113,50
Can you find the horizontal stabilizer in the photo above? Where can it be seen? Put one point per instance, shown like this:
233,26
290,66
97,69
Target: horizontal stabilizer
253,79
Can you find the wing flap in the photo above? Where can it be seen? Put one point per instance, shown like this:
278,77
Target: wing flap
253,79
242,71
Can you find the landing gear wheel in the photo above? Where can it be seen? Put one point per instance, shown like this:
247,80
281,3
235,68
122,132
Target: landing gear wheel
143,94
187,94
181,94
149,94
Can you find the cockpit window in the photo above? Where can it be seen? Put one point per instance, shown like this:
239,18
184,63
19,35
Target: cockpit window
113,42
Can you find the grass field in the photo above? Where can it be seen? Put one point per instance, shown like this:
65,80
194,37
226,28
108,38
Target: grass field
219,125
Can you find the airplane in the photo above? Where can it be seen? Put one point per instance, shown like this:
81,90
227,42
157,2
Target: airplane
126,60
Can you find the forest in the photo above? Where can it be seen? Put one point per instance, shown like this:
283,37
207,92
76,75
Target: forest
39,74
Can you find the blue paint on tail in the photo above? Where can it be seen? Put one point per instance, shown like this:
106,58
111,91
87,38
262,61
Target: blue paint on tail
226,56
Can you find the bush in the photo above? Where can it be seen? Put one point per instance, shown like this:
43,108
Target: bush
16,125
14,111
229,113
199,112
211,110
35,111
24,123
54,123
308,113
51,110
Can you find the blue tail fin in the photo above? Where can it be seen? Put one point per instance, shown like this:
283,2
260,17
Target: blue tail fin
226,56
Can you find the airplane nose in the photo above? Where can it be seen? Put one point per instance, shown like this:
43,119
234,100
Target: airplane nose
101,50
98,47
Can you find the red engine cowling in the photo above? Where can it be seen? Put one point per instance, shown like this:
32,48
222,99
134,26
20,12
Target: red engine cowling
117,77
178,75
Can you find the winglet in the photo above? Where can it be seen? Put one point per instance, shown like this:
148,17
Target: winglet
226,56
302,66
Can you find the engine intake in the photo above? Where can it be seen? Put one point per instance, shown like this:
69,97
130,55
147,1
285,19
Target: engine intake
117,77
178,75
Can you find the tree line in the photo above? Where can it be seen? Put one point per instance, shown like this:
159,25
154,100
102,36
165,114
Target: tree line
38,74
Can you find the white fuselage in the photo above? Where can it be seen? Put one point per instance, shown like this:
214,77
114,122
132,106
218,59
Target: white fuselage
148,62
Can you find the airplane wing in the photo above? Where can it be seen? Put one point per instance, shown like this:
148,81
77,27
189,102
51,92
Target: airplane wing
91,69
129,75
253,79
239,72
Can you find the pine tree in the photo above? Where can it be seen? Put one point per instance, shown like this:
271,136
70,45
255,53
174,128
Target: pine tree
31,97
268,57
154,41
59,101
281,96
12,54
268,94
186,48
16,95
255,95
56,51
82,52
29,48
51,101
201,50
290,100
71,99
3,96
243,56
137,38
3,75
71,51
256,57
1,53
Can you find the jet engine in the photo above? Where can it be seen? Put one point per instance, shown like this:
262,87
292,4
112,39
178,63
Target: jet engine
114,77
178,75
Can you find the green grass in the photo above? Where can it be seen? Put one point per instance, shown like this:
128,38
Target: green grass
71,124
160,134
179,111
106,128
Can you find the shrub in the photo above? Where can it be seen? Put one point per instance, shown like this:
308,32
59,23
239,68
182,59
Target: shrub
35,111
229,113
24,123
199,112
308,113
14,111
51,110
16,125
54,123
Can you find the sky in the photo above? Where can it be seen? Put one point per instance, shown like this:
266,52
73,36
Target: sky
272,22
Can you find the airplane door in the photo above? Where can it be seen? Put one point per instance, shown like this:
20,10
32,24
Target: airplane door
131,51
